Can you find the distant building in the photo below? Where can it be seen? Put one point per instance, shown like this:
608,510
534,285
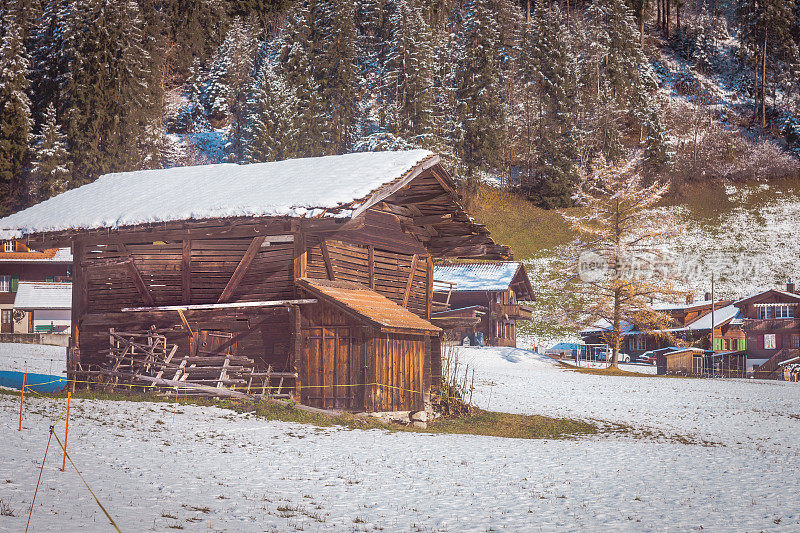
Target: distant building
43,307
481,301
18,263
771,325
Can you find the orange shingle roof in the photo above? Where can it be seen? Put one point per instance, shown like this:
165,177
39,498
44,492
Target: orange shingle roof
18,256
364,302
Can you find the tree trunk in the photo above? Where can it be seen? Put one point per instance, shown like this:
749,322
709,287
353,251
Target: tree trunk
641,24
659,3
666,18
528,11
764,83
615,328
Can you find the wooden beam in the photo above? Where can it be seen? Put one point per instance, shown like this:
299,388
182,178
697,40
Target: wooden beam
371,267
185,322
327,257
232,305
300,264
241,269
136,276
186,272
410,280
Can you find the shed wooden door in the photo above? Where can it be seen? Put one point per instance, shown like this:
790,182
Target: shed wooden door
332,377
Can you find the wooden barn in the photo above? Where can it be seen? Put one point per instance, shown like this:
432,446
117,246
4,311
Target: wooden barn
487,294
309,278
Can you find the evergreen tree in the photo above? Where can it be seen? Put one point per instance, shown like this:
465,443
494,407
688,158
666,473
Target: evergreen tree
49,174
318,57
15,114
408,74
296,50
230,80
549,138
272,132
479,110
766,33
335,70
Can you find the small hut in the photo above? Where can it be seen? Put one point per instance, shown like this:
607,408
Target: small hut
310,278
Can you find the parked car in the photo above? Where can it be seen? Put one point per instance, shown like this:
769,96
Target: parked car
647,357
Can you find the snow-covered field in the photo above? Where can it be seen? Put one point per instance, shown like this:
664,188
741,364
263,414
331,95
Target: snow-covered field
33,358
207,469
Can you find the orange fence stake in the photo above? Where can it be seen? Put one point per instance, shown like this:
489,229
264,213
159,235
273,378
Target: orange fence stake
66,433
22,397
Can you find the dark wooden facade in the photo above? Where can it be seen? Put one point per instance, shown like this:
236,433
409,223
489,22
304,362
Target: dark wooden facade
772,336
251,282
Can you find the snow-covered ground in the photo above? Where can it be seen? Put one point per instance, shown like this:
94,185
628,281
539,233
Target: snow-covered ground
206,469
33,358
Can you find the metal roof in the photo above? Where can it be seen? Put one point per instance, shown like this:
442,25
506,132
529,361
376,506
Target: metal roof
43,295
484,276
360,300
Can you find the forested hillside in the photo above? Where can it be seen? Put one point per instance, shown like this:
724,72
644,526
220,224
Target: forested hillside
520,92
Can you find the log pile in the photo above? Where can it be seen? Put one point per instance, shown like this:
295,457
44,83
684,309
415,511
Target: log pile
147,358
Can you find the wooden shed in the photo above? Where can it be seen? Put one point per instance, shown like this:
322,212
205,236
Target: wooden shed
309,278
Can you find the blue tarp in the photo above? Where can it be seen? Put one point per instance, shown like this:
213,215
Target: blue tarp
38,382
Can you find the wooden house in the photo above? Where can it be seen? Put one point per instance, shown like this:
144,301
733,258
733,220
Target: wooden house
489,292
772,330
20,263
308,277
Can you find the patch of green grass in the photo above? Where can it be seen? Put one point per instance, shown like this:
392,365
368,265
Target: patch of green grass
515,221
493,424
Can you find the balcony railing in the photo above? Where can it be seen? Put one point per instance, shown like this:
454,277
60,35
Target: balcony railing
771,324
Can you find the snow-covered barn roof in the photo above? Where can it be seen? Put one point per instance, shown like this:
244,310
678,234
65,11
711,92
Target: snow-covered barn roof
317,186
486,276
37,295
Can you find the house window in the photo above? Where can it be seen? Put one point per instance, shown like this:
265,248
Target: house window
8,246
795,341
5,283
637,343
6,316
784,311
765,312
769,341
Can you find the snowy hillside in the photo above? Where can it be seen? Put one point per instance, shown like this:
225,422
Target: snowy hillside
703,445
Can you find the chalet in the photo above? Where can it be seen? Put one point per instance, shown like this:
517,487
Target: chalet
20,263
309,277
771,325
487,295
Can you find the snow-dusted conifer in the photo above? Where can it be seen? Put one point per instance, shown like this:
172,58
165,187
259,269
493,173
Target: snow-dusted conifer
548,136
480,113
49,173
272,132
15,114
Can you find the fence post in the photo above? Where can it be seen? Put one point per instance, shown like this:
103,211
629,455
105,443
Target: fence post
21,398
66,433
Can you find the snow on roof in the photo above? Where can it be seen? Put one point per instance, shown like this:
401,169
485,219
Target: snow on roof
666,306
721,316
477,276
295,187
603,325
36,295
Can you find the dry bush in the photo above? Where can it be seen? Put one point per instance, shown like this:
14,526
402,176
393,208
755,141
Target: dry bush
455,392
707,151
